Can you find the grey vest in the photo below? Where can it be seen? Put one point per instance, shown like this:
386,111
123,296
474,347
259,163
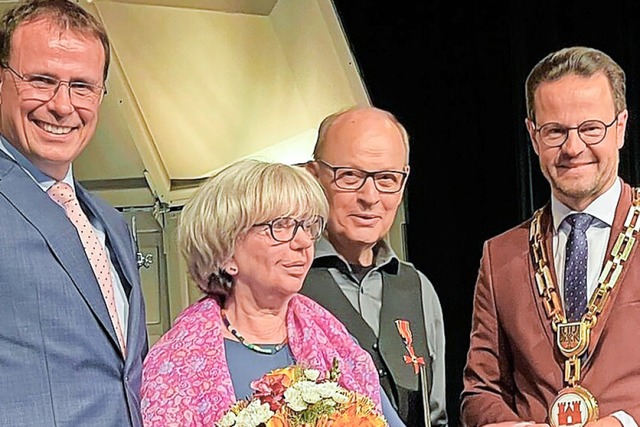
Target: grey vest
401,299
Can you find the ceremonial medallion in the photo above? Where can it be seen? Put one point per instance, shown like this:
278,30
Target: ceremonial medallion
573,407
572,338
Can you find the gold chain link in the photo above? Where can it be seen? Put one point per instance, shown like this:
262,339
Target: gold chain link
606,280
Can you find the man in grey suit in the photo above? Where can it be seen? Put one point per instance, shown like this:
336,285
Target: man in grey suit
61,363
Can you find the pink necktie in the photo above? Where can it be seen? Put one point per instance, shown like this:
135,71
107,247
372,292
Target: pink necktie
64,195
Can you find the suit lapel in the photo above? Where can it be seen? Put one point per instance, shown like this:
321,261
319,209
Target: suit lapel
58,232
618,226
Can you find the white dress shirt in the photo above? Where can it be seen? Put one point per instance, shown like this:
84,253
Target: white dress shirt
603,209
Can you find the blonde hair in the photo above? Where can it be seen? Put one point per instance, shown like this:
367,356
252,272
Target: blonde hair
232,201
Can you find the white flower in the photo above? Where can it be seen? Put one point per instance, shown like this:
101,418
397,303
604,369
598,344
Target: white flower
311,374
254,414
309,390
340,396
329,402
293,398
328,389
228,420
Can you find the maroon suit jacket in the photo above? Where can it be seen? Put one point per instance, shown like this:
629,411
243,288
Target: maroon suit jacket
514,369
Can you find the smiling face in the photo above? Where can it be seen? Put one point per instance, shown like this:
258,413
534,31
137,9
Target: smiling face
51,134
578,173
270,271
364,139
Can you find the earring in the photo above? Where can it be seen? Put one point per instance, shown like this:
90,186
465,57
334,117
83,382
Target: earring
233,270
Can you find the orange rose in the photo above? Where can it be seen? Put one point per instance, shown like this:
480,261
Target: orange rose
359,421
357,412
277,421
285,375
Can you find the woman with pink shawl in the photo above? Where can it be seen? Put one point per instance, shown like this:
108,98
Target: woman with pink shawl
247,236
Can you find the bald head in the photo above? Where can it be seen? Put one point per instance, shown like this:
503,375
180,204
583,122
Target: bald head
356,122
360,142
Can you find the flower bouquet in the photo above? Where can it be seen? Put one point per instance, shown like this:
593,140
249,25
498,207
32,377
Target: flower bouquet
299,397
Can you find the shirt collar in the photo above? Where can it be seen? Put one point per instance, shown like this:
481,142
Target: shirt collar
384,255
43,180
603,208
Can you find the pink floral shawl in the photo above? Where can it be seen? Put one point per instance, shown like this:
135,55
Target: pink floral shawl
186,381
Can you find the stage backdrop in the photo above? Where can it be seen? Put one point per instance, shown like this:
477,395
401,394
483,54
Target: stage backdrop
455,76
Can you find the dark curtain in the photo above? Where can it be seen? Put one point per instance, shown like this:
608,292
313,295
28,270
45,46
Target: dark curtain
454,75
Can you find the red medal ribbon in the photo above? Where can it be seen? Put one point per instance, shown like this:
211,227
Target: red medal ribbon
405,332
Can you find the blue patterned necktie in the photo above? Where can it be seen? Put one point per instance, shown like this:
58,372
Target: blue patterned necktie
575,269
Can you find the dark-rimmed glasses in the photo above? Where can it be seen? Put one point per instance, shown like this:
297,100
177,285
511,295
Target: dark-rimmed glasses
352,179
591,132
43,88
284,229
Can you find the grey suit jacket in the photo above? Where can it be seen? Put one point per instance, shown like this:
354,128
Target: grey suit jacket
60,363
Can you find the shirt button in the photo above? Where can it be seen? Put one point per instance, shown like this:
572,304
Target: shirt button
382,372
375,346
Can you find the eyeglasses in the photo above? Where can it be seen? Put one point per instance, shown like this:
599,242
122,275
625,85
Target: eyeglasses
42,88
591,132
353,179
284,229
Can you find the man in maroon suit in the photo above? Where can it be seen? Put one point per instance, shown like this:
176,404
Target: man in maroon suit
554,338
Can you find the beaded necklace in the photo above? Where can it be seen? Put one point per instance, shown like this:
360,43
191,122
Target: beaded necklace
254,347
